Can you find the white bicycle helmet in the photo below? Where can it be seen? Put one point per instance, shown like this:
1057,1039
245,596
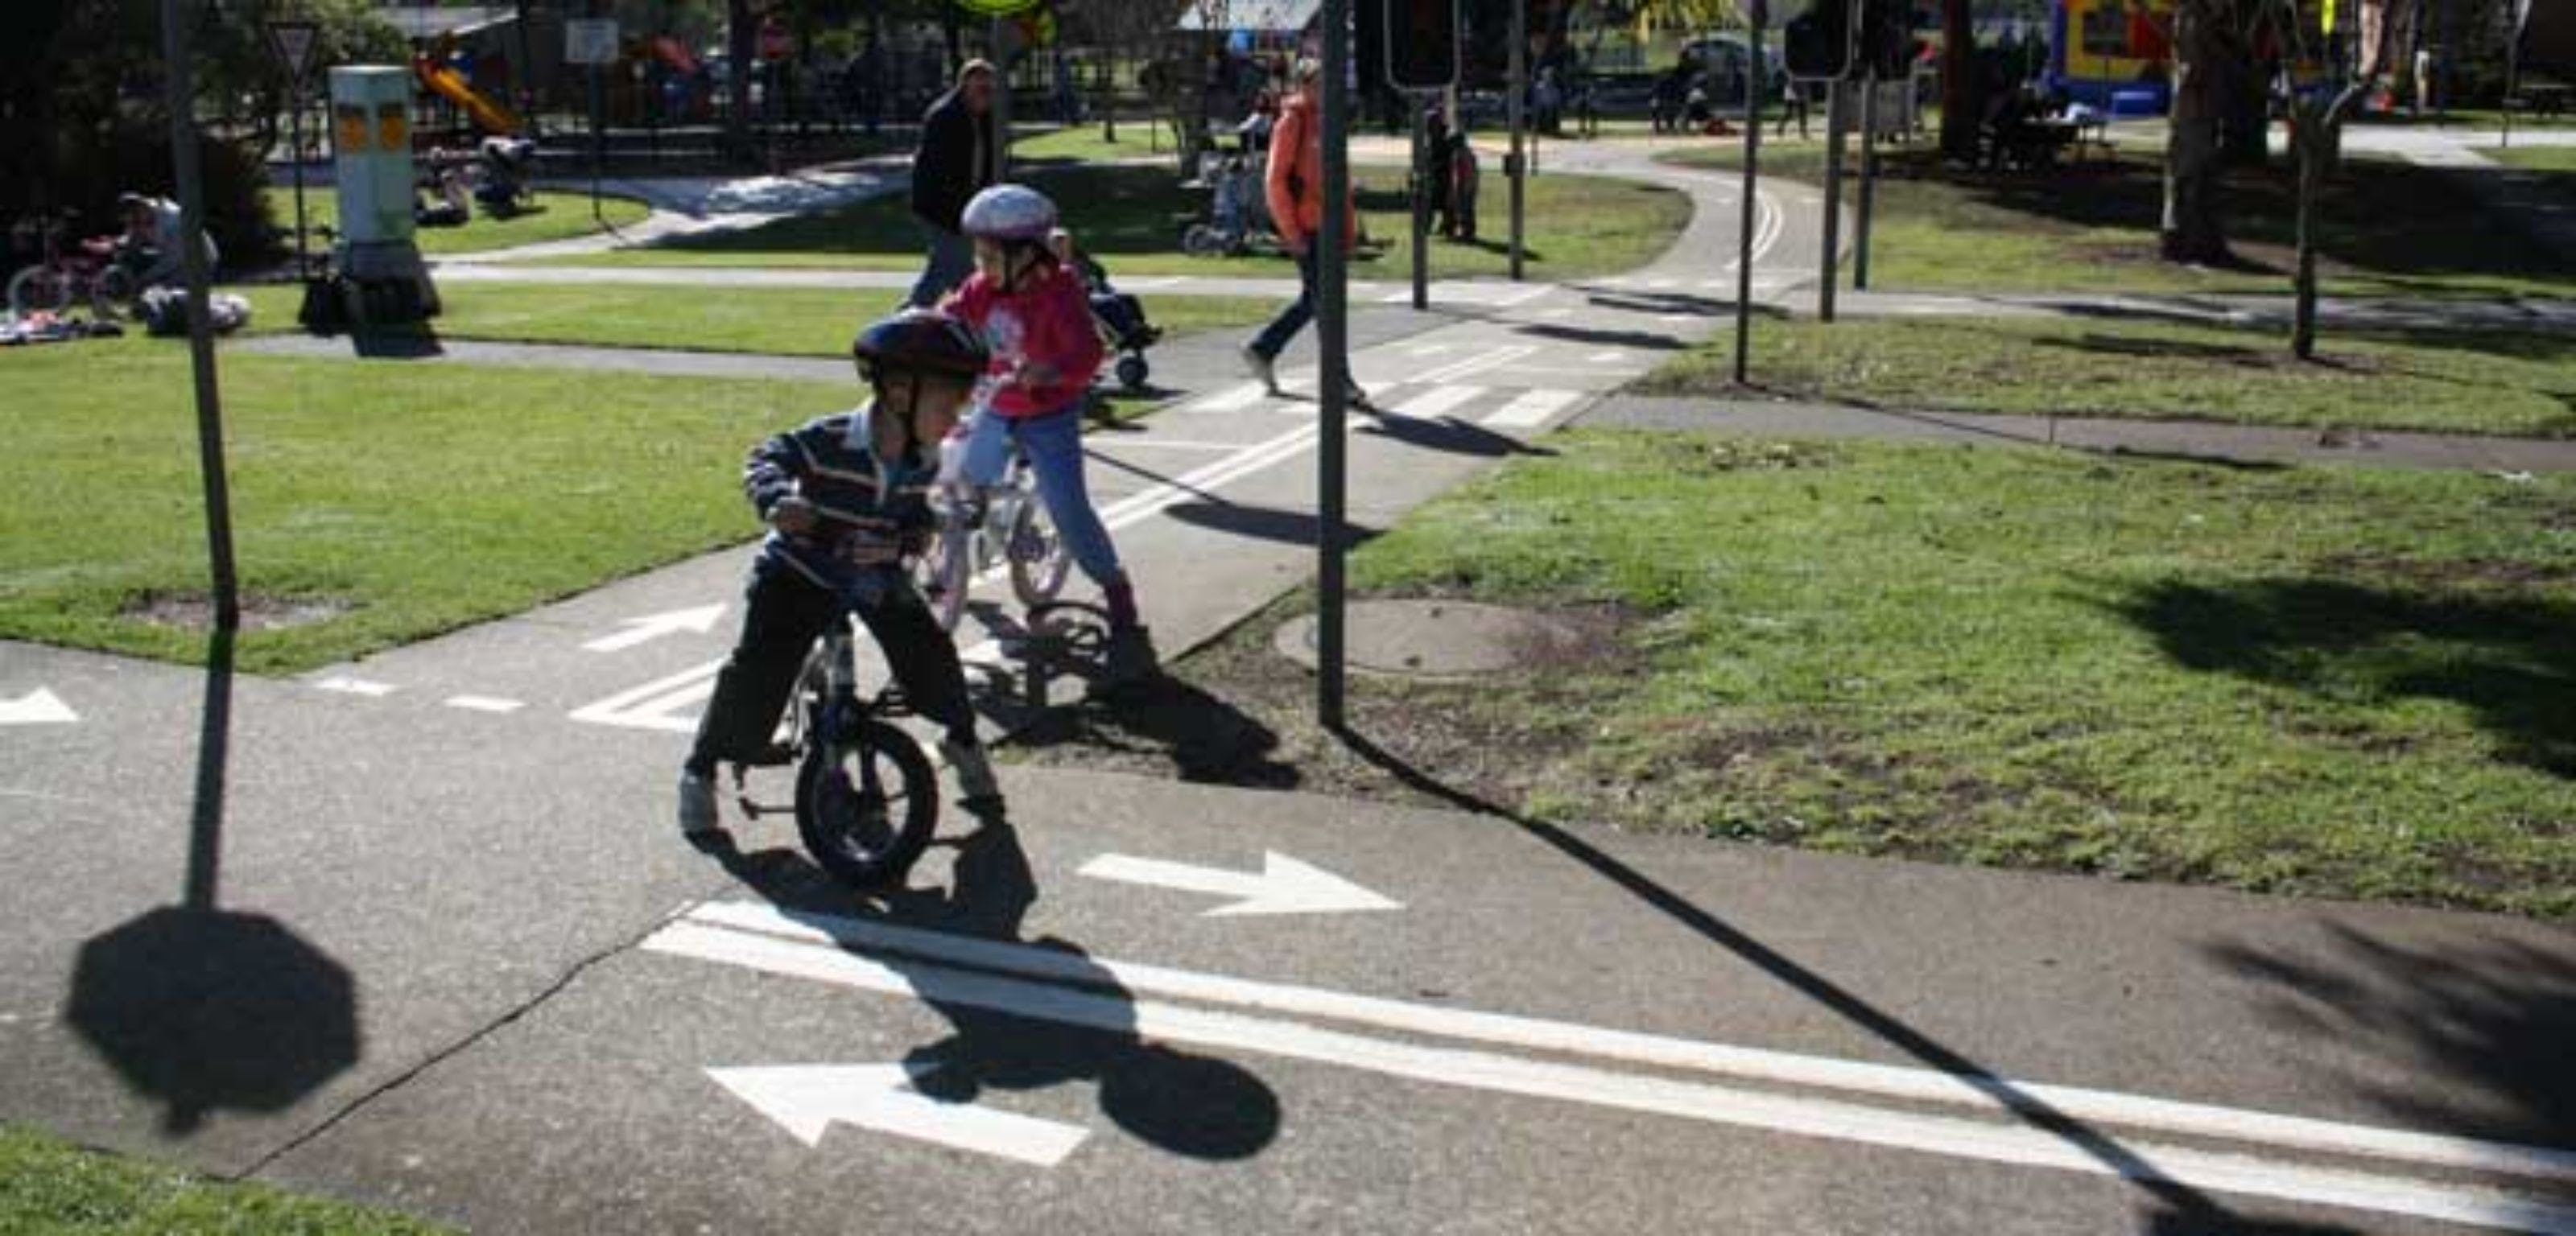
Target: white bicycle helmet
1010,213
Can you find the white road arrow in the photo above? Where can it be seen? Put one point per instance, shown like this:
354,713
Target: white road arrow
1285,886
654,626
808,1099
37,707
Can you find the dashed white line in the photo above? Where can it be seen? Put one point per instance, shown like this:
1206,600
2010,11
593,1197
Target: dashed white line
346,685
1438,401
1532,408
1232,399
1474,364
1611,357
484,703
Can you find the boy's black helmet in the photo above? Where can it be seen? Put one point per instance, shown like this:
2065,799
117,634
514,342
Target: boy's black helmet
919,341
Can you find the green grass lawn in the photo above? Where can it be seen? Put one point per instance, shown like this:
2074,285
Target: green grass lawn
774,321
2492,382
424,497
1131,217
2389,229
52,1188
2560,159
2337,682
558,216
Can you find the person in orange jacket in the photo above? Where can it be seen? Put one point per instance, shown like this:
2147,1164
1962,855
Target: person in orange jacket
1295,186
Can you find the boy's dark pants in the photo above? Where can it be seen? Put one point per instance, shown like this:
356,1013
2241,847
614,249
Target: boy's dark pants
787,613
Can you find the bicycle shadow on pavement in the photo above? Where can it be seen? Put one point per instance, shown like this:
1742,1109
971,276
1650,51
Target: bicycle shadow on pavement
2179,1209
1077,1024
204,1009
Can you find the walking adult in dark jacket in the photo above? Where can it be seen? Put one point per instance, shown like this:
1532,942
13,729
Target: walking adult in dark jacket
960,156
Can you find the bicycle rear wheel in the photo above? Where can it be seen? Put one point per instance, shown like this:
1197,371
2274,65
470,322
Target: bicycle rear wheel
867,804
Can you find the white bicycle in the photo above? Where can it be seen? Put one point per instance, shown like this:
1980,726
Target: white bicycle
1006,526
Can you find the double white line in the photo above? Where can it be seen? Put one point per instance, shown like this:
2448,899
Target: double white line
1841,1100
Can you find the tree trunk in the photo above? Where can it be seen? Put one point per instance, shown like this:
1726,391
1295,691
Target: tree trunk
1959,104
2194,230
1109,95
741,34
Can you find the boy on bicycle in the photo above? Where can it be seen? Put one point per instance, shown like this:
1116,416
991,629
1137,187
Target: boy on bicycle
1035,319
845,498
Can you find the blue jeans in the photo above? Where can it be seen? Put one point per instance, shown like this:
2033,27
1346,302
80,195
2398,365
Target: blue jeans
1053,442
1274,338
952,258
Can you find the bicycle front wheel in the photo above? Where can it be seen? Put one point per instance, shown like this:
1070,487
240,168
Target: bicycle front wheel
945,574
39,289
867,804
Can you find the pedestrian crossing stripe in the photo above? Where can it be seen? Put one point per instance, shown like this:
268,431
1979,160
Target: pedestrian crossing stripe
1531,409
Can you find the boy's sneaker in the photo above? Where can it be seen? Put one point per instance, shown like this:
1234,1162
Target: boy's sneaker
1262,369
697,804
976,785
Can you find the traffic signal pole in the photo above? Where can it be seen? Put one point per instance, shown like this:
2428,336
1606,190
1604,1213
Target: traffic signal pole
1830,273
1868,180
1426,165
1744,229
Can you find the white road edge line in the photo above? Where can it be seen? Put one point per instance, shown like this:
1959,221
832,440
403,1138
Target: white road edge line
1765,1112
1660,1051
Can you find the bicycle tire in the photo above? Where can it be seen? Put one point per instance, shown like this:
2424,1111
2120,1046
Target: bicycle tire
1035,547
39,289
1203,241
865,831
111,291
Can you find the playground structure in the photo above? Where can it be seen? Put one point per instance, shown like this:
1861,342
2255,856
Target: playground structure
450,83
2113,54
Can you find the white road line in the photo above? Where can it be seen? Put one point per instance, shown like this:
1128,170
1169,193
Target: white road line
1478,363
1437,401
1165,444
1659,283
650,707
1838,1120
1525,296
1611,357
1673,319
1233,399
346,685
1532,408
1428,349
484,703
1915,1085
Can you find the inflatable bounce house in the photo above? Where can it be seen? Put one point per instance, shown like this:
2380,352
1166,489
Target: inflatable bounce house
2113,54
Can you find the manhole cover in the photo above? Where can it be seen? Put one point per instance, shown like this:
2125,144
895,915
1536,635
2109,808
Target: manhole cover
1432,639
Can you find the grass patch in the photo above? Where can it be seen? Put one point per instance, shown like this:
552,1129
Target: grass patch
1132,218
772,321
2306,681
421,499
2493,382
557,216
2538,158
50,1186
2387,229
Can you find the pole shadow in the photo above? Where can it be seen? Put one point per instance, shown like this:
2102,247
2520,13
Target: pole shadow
206,1010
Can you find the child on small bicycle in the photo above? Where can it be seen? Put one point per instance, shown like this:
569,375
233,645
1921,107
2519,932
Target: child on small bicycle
1035,319
845,498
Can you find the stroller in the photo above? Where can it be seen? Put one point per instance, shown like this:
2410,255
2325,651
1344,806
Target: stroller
507,164
1121,320
1238,212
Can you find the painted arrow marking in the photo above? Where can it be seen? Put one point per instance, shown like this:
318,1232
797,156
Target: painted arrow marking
37,707
1285,886
651,627
809,1099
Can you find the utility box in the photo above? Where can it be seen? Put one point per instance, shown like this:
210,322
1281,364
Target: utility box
372,160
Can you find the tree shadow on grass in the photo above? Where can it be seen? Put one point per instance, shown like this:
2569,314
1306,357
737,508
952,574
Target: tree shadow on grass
2469,1033
2510,659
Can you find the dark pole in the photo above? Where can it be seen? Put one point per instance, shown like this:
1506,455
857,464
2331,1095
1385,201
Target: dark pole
1744,228
1868,181
1517,113
295,126
1425,160
201,338
598,129
1830,261
1334,378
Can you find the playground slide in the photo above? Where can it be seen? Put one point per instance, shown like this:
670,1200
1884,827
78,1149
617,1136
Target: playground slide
450,85
674,54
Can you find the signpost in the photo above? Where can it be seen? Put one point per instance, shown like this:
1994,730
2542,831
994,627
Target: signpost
593,42
1333,380
292,41
175,42
1868,179
1757,15
1837,101
1517,112
1421,42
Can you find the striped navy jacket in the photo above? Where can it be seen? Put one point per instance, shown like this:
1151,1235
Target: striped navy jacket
832,463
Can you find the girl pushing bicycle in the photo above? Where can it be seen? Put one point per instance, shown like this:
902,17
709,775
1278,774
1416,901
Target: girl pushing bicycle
845,498
1034,317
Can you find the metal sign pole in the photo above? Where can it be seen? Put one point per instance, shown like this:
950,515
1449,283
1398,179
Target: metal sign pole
1332,336
1829,275
1517,113
201,338
1745,225
1428,164
1868,181
295,123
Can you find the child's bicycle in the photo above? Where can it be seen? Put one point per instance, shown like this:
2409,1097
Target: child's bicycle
87,272
981,530
867,797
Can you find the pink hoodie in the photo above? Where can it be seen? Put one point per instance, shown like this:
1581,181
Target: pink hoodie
1046,322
